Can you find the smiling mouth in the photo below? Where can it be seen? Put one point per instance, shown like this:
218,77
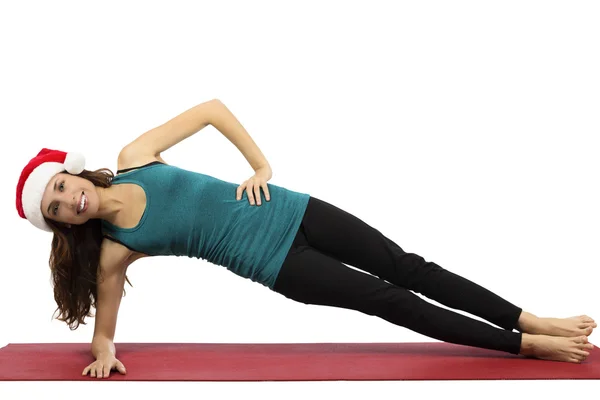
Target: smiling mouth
83,204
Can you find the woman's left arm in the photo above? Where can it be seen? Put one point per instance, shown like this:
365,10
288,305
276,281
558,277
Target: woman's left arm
225,122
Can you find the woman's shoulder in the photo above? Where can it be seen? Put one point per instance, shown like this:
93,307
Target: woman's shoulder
114,252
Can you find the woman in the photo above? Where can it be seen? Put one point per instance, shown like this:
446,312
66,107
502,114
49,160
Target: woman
291,242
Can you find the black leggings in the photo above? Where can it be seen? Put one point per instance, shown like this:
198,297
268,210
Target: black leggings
314,273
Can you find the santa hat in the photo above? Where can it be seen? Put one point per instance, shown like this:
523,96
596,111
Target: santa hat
35,177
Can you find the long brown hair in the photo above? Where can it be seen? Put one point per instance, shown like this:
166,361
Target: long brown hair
74,261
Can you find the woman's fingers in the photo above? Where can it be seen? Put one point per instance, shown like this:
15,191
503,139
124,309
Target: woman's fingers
101,369
257,192
252,187
121,367
250,195
96,371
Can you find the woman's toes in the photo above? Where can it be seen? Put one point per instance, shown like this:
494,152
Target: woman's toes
582,355
581,339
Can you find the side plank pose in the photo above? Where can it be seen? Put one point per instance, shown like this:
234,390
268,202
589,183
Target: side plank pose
290,242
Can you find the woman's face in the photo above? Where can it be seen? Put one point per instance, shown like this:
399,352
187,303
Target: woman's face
62,199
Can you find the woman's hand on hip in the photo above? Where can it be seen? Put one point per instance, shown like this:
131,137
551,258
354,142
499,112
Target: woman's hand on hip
253,185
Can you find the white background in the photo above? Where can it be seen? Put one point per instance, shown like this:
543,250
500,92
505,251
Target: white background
466,131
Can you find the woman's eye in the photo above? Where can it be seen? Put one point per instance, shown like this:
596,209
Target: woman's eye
60,187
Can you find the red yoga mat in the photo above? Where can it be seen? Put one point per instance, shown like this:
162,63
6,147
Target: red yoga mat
287,362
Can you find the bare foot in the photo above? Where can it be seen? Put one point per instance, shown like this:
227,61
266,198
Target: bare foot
566,327
556,348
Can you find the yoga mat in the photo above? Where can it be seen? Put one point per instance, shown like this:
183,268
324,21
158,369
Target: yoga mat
287,362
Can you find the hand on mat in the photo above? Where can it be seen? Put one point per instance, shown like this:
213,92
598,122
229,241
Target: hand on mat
260,178
101,367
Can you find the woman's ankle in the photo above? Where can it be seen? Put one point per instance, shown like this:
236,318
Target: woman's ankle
527,344
526,322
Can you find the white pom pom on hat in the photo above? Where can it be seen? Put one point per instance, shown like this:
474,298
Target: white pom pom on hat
35,177
74,163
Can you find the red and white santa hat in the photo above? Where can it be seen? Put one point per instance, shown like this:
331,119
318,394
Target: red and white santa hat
35,177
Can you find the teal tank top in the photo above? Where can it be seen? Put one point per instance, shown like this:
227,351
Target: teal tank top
196,215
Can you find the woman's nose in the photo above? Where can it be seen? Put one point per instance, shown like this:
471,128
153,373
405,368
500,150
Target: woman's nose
71,200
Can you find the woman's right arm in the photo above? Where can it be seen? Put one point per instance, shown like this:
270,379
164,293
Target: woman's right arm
110,291
102,346
111,281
